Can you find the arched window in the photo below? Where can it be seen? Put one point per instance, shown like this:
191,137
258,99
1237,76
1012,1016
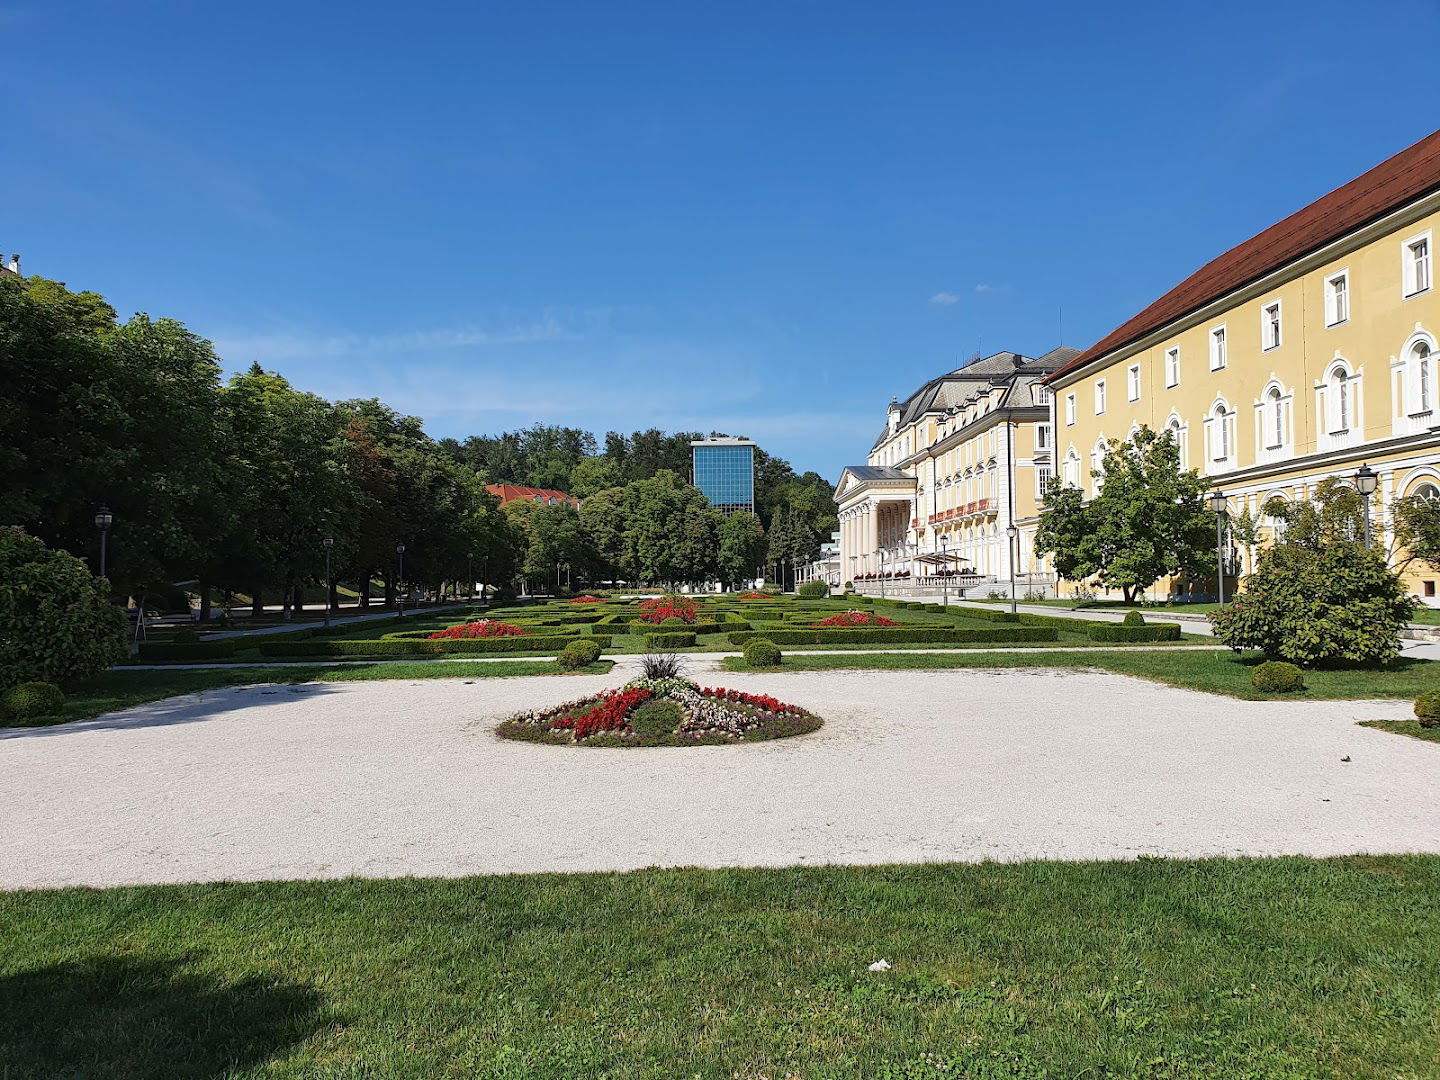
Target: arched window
1274,418
1219,433
1421,355
1427,491
1340,399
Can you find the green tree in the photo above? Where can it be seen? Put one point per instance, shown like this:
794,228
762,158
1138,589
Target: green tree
604,519
592,474
741,548
1148,521
1320,594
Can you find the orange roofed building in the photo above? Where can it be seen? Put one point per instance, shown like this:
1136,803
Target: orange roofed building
508,493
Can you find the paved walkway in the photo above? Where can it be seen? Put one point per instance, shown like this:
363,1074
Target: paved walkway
338,620
390,778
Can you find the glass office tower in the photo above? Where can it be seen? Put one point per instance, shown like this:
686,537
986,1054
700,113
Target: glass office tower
724,471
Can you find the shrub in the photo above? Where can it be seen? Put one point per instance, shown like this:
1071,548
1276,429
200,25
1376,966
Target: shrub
855,618
661,666
678,639
1427,710
31,700
1120,632
185,651
578,653
813,590
56,618
412,646
661,609
890,635
656,717
185,636
1277,677
481,628
762,652
1133,618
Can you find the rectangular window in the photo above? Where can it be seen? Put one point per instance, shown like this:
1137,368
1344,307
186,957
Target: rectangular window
1099,397
1337,298
1069,410
1042,478
1217,348
1132,382
1042,436
1270,326
1172,367
1042,395
1417,265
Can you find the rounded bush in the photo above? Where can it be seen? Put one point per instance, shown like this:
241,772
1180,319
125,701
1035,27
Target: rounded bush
578,654
813,589
56,618
1427,710
1133,618
761,652
30,700
186,636
1278,677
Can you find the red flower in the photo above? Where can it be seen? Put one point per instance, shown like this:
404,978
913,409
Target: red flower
608,714
856,618
484,628
587,599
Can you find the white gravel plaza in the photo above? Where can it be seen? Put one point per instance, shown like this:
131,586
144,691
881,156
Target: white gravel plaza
407,777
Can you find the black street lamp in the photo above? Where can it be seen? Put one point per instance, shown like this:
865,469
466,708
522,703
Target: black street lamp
328,543
103,520
399,586
1217,502
470,583
1366,480
1012,532
944,577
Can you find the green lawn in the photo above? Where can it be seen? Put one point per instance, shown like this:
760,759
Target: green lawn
1158,607
120,688
1405,727
1203,970
1214,671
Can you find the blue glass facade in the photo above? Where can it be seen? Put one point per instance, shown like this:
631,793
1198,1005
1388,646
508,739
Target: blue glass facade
725,474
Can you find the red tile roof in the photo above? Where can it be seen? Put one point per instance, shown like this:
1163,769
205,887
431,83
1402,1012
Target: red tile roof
511,492
1407,176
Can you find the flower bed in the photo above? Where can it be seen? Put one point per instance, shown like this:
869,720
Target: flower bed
855,618
587,599
662,712
753,595
482,628
660,608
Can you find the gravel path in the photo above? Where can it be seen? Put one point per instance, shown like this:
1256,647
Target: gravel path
393,778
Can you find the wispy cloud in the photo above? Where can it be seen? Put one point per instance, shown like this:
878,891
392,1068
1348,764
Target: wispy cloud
986,289
944,299
271,348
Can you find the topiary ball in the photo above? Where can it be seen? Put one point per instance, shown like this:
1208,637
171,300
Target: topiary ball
31,700
762,652
185,636
1133,618
1277,677
1427,709
578,654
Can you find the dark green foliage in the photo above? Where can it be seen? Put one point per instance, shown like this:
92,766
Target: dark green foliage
31,700
1133,618
578,654
656,717
762,652
812,590
413,646
199,651
185,636
887,635
1427,709
1320,595
1120,632
56,619
1278,677
677,639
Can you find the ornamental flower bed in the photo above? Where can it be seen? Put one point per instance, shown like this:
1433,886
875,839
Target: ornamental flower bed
660,608
586,599
482,628
753,595
662,712
856,618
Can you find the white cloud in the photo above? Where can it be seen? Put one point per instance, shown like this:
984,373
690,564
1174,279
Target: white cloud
305,345
944,299
986,289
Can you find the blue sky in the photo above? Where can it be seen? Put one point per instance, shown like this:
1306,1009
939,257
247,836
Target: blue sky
763,218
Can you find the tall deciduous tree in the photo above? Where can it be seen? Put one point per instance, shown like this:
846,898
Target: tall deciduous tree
742,548
1148,521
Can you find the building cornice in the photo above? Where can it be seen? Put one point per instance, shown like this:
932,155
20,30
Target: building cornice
1336,249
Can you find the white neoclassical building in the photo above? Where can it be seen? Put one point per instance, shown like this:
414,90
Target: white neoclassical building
950,492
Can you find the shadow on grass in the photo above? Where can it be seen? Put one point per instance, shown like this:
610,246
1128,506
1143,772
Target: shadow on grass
110,1016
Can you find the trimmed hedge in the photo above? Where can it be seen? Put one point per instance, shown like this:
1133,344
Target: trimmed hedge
413,647
31,700
1427,709
673,639
1278,677
178,651
578,653
1151,632
889,635
762,652
640,626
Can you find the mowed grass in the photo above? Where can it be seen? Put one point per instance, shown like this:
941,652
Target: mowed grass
1213,671
120,688
1405,727
1286,968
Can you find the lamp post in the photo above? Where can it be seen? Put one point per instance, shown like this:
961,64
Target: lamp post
328,543
852,571
470,582
1217,507
1012,532
1366,481
103,520
399,579
944,571
882,573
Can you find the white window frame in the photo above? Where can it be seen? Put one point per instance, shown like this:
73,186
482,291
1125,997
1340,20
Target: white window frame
1043,475
1101,394
1266,344
1132,383
1417,277
1042,436
1219,435
1219,347
1070,409
1180,430
1172,367
1333,315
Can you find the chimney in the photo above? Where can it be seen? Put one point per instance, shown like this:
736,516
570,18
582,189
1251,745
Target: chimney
14,267
894,414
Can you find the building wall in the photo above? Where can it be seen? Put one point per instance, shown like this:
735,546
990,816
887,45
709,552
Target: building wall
1370,361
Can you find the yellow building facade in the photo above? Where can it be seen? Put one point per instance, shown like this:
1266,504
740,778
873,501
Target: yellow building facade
1300,355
